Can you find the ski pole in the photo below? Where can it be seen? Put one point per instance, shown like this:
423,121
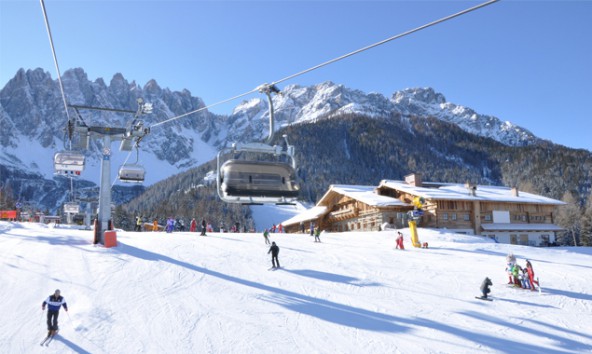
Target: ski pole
70,321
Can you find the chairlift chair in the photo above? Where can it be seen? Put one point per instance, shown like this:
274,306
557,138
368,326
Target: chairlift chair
71,207
68,163
132,173
258,182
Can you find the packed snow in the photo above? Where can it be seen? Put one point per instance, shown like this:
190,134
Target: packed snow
352,293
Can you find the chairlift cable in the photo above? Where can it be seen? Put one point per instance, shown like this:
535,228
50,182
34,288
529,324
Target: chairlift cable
433,23
55,60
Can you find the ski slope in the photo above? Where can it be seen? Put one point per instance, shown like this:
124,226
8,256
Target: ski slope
352,293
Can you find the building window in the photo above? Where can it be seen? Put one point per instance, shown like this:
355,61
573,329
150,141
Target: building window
453,216
466,217
488,217
445,216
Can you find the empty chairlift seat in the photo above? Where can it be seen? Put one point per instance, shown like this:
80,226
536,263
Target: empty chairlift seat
241,178
68,163
132,173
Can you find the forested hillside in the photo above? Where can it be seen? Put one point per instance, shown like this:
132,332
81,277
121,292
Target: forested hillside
352,149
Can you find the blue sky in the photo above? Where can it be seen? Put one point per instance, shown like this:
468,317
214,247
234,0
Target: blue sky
528,62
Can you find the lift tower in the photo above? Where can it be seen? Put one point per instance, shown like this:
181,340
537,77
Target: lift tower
134,131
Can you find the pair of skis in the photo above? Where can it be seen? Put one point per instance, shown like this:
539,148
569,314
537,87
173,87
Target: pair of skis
50,336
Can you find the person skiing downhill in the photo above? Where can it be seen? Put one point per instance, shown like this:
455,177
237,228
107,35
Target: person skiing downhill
53,302
266,236
274,250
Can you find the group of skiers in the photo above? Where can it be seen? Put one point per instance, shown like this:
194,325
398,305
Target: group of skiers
520,277
179,225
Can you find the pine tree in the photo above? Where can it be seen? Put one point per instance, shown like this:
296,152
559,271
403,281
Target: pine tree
586,234
569,217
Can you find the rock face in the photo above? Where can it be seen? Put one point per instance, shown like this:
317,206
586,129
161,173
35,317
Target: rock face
34,120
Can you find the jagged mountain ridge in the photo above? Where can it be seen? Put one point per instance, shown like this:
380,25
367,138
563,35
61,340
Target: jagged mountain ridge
32,109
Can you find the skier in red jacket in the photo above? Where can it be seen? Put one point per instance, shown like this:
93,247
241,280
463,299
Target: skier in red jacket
530,272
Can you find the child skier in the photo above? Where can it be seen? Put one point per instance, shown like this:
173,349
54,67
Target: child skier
530,272
524,279
400,241
485,287
510,261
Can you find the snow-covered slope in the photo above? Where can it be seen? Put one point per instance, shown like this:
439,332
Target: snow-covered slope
352,293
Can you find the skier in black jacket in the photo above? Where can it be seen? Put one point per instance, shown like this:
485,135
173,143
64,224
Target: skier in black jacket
485,287
274,250
53,302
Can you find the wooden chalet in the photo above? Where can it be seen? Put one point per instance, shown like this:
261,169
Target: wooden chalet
504,214
351,208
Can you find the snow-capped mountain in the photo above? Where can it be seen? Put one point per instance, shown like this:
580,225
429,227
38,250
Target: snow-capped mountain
33,120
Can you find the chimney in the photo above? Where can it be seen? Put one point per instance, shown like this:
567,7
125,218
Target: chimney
515,192
413,179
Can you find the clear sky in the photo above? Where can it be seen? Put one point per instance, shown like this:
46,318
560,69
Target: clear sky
528,62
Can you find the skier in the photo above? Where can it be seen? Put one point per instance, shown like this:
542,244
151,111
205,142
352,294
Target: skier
53,302
485,287
510,261
170,225
155,225
203,227
526,284
138,223
266,236
516,274
274,250
530,272
400,241
317,234
193,225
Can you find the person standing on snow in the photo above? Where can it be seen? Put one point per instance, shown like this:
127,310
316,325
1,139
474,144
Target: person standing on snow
53,302
275,251
317,235
399,241
193,225
138,223
203,227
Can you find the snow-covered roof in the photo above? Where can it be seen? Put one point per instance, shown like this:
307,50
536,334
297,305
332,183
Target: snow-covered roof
520,227
307,215
365,194
452,191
